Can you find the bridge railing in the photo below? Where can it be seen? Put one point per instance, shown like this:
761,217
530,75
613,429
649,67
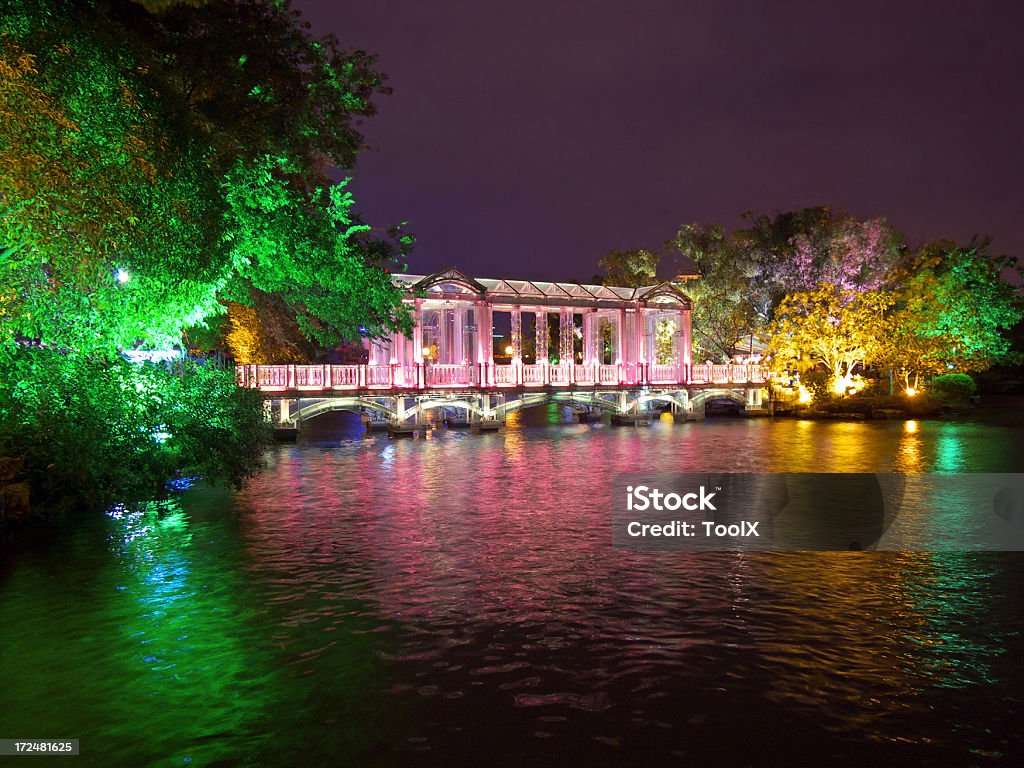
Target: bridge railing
381,376
279,378
607,374
533,375
451,375
560,374
663,374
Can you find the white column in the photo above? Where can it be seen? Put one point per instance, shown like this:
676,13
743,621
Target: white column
589,337
620,337
485,341
459,328
686,353
417,334
542,336
565,336
517,337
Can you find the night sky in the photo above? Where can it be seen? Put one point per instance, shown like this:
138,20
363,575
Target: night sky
527,139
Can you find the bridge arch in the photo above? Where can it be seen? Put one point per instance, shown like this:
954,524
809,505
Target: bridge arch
430,405
577,401
352,404
719,393
668,397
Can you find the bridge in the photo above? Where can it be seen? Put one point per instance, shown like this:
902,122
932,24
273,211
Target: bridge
482,348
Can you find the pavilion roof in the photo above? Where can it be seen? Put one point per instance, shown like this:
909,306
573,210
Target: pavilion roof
523,291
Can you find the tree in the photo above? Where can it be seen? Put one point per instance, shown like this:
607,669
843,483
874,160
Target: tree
127,129
768,244
850,254
798,250
725,301
953,312
629,269
153,166
837,328
302,248
90,193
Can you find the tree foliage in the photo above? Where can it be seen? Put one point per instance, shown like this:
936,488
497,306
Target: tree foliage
725,304
159,159
301,247
813,283
838,328
953,311
629,269
95,430
144,144
90,190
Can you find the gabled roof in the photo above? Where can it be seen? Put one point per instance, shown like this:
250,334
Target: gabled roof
666,292
450,276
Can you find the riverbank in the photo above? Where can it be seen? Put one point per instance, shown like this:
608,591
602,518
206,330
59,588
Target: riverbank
878,407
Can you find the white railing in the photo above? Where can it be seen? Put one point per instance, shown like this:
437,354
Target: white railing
272,376
608,374
407,376
309,377
378,376
345,376
451,375
533,375
663,374
720,374
505,375
584,374
558,375
322,377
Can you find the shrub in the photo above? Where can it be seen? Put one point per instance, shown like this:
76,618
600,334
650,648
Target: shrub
91,431
819,384
953,387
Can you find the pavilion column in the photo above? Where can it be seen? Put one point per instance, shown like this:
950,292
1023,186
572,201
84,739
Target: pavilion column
620,337
458,356
589,335
565,336
517,337
485,341
542,336
398,342
686,352
377,353
444,336
637,351
417,335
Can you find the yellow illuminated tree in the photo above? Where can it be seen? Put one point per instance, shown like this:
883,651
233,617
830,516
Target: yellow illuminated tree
838,328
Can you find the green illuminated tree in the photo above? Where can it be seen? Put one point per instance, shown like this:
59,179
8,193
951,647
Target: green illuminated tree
953,312
153,166
301,247
89,189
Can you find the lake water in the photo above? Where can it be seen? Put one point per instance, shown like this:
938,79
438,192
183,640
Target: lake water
455,601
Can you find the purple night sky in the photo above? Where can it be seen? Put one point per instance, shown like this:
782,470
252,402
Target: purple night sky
527,139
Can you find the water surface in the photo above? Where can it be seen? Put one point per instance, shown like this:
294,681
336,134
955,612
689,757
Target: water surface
455,601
